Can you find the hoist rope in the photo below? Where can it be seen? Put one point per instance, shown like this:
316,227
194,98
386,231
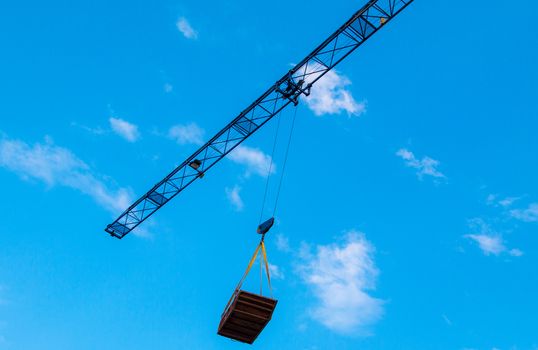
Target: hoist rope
270,167
264,252
260,250
285,160
261,274
249,267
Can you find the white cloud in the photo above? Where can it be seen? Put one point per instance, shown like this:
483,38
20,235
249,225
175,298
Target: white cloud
54,165
234,196
489,241
254,159
489,244
125,129
186,29
340,276
330,96
187,134
282,243
425,166
528,215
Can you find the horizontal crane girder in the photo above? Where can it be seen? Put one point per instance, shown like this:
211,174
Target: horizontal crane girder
298,81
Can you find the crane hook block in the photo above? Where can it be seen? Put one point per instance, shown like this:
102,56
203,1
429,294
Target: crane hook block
265,226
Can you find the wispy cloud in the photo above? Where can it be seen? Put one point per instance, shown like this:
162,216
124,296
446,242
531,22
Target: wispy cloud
282,243
529,214
168,88
234,196
488,240
186,29
515,252
340,276
95,131
425,166
330,96
256,161
57,166
506,202
124,129
187,134
488,243
446,319
276,272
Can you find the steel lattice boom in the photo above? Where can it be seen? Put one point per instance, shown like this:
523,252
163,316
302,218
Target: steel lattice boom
298,81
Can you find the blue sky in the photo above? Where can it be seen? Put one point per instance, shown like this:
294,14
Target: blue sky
408,217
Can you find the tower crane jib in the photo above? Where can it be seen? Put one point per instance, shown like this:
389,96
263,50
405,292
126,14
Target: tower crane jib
287,90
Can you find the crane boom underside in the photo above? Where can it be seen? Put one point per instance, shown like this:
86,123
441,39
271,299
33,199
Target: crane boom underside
298,81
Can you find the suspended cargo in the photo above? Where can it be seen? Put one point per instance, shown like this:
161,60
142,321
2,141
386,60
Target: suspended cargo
246,314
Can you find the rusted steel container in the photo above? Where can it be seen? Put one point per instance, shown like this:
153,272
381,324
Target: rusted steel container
246,316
